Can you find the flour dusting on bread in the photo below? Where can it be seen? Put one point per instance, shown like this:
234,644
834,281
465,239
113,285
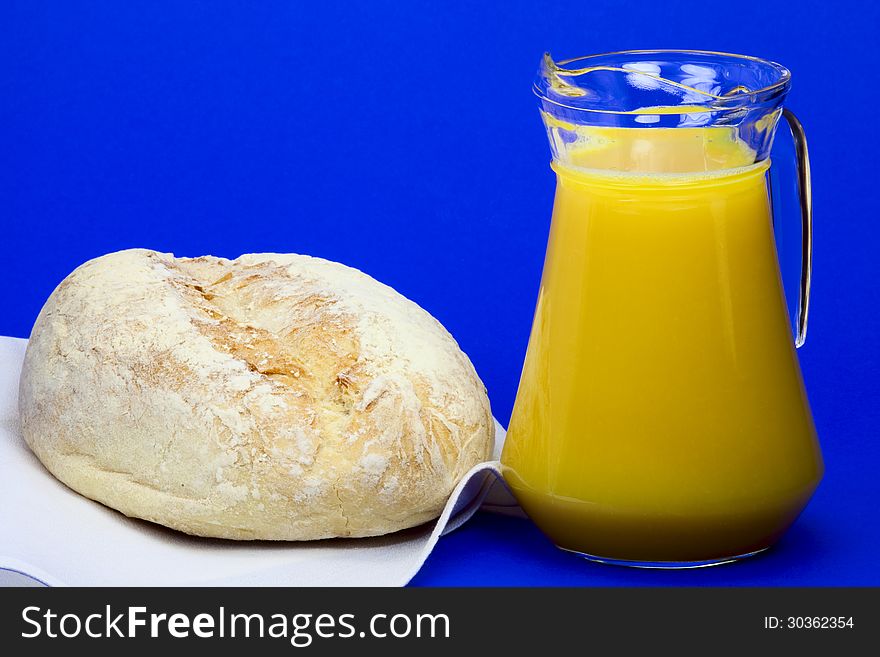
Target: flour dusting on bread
274,396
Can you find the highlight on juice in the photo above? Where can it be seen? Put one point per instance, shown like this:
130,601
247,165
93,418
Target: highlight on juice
661,417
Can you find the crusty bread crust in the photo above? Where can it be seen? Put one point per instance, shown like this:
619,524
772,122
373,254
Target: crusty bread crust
268,397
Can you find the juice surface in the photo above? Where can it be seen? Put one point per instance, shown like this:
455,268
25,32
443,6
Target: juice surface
661,414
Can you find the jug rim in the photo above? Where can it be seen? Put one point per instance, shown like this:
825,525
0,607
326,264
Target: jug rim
745,97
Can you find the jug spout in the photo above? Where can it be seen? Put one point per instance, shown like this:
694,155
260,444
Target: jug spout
735,101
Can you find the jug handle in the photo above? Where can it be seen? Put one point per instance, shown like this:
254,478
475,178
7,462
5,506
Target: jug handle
805,197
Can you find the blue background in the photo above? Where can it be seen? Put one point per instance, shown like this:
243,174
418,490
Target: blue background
402,138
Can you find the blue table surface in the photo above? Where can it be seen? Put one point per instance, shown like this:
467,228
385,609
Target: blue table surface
403,139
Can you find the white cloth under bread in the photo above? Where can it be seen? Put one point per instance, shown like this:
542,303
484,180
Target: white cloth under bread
52,535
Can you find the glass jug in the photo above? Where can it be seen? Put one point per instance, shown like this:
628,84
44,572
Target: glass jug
661,418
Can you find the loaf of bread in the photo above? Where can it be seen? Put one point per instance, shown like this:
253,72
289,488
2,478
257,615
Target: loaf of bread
273,396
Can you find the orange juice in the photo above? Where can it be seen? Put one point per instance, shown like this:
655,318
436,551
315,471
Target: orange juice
661,415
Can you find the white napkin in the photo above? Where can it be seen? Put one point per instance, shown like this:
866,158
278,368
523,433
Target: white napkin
50,535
